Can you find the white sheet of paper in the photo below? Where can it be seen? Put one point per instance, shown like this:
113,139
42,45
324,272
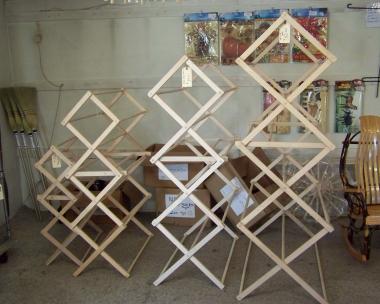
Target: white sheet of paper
373,16
186,209
239,199
180,171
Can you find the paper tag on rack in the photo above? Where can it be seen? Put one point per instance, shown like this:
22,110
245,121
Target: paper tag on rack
1,192
55,162
187,77
284,35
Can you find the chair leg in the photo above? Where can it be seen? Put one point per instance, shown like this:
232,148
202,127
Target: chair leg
350,231
367,242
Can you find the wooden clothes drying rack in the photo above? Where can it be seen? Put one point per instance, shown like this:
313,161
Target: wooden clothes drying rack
285,100
188,134
120,164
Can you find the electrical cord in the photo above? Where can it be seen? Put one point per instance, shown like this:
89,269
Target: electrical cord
38,41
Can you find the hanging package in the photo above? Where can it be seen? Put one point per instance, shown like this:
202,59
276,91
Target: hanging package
280,52
236,35
315,21
281,124
314,99
349,101
202,37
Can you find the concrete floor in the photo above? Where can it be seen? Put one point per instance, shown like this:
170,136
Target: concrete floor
26,279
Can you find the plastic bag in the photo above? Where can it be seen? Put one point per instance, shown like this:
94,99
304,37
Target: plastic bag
202,37
349,100
314,99
280,52
315,21
236,35
283,117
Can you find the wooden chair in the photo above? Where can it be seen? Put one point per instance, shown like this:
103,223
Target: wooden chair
362,193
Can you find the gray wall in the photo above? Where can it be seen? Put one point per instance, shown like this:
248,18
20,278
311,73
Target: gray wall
134,47
12,172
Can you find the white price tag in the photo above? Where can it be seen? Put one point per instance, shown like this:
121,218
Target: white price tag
187,77
1,192
284,35
55,162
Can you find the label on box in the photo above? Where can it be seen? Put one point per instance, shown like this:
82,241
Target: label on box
180,171
1,192
284,35
187,77
239,199
185,209
55,162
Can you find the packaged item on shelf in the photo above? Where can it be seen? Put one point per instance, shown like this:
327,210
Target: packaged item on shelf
349,100
315,21
315,101
202,37
280,52
236,35
279,126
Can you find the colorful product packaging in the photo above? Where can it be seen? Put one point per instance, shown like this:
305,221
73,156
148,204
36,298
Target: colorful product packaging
349,103
236,35
283,117
202,37
315,21
263,20
314,99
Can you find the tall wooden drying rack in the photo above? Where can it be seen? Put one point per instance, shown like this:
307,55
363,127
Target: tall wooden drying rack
120,164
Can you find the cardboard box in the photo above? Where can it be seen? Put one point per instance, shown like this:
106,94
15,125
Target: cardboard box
240,171
131,195
184,171
248,170
98,217
187,213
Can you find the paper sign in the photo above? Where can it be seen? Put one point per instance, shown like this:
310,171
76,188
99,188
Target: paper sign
187,77
180,171
239,199
1,192
55,162
185,209
284,35
373,15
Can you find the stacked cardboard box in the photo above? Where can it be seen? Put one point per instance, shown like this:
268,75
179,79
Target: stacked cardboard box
240,172
186,214
99,217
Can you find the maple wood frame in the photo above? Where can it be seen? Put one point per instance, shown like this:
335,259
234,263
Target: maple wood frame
212,160
115,161
284,100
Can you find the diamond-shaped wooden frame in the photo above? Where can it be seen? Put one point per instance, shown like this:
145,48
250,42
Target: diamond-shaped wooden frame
284,99
212,159
121,164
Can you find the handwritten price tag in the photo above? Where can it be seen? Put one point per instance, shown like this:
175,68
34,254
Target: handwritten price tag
55,162
187,77
284,35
